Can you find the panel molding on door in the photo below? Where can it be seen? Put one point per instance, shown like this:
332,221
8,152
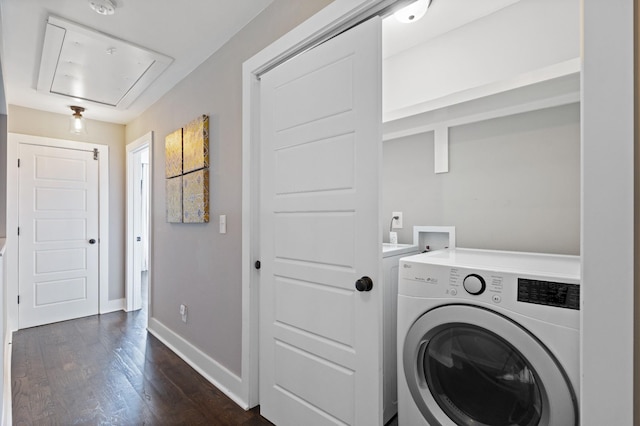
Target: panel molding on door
320,341
58,210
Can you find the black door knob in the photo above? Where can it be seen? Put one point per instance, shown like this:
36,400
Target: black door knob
364,284
92,241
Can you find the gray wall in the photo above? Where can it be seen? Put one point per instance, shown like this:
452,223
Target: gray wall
194,264
514,183
47,124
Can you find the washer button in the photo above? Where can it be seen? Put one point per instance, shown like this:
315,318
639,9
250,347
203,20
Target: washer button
453,292
496,298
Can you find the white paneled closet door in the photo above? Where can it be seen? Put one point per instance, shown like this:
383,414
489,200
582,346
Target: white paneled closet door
320,337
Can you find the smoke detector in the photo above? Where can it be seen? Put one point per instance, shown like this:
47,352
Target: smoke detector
103,7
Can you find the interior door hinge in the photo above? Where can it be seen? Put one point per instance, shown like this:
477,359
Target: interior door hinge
18,162
95,153
18,231
18,299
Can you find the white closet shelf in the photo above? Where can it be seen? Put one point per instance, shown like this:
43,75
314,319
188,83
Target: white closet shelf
547,87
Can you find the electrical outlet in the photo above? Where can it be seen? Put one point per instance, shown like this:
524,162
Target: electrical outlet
393,237
183,312
396,223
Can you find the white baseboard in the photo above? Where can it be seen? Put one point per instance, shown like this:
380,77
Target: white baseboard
220,376
112,306
7,413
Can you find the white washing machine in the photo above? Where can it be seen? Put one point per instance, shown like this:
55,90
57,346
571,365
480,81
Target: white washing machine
488,338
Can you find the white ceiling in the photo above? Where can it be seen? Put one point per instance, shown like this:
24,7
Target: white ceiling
441,17
188,32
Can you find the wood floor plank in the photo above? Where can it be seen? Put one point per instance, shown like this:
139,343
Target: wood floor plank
108,370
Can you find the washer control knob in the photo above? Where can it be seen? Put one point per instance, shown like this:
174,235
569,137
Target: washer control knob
474,284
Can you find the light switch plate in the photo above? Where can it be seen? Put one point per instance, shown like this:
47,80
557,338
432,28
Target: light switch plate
223,223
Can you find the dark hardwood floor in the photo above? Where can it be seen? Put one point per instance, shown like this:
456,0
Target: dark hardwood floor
107,370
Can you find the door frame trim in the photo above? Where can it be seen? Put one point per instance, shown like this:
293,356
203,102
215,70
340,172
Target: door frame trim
11,257
143,142
334,18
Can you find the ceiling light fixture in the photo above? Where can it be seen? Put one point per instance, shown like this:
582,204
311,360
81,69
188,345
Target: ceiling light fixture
77,123
103,7
413,12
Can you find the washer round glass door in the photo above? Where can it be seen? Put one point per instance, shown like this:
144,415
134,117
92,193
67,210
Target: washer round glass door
466,365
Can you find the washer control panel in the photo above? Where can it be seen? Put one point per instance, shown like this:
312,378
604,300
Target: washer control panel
478,285
545,287
422,280
539,292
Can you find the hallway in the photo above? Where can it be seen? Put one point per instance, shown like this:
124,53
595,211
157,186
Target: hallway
107,369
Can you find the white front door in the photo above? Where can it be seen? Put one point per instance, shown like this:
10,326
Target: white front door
320,339
58,241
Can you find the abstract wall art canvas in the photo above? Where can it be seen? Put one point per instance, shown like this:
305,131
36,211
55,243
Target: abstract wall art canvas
187,173
174,199
196,144
173,154
195,193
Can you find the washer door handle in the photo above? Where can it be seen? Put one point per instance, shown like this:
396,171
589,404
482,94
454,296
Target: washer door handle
364,284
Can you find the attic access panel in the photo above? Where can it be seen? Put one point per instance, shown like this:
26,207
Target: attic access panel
82,63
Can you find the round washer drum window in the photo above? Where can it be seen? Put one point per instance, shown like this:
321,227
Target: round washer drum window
468,365
476,377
